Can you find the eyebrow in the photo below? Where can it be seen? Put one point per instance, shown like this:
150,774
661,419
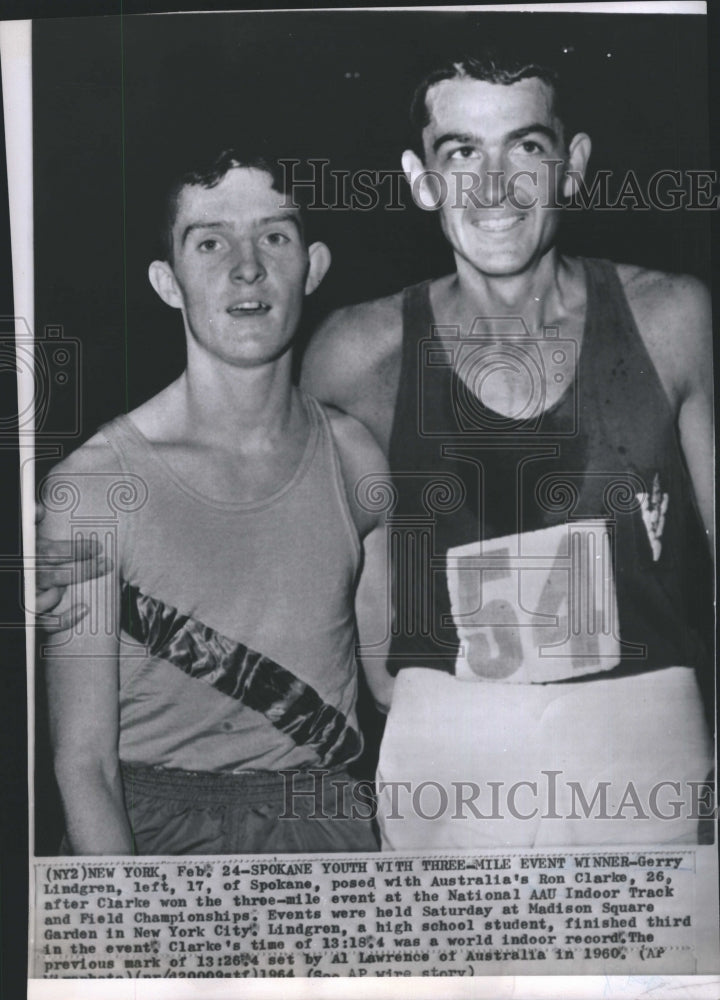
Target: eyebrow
266,220
518,133
281,217
199,225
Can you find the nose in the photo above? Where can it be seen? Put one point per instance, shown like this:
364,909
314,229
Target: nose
247,265
493,180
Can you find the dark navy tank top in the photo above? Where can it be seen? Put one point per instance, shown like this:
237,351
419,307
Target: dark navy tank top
565,535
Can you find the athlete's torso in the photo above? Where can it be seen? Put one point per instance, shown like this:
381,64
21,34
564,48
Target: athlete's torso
527,506
246,610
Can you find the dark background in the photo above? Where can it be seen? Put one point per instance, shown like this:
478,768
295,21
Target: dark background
116,102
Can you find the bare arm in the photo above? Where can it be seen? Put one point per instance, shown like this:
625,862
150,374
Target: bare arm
674,319
81,669
365,472
83,706
695,418
374,614
352,363
326,368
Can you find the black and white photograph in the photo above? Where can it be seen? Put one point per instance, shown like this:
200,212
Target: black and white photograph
366,424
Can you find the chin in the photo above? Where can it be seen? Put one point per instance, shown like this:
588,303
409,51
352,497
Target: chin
500,265
257,358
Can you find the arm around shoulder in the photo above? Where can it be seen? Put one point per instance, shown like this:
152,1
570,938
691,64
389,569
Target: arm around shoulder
345,349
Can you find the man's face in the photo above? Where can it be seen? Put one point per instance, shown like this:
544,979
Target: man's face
240,268
480,139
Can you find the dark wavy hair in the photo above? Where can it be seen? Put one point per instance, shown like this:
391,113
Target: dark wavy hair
492,65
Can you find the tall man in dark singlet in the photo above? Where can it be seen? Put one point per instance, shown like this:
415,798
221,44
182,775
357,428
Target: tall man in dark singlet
548,424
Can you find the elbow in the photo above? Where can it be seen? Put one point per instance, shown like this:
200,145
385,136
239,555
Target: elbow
382,692
77,767
382,705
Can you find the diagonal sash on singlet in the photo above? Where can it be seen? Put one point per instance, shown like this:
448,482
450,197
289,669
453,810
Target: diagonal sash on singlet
291,705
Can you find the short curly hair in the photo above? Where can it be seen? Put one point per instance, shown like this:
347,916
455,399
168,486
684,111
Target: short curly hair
208,174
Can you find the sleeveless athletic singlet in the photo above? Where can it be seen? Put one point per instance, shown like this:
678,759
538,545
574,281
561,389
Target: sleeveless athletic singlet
238,631
499,523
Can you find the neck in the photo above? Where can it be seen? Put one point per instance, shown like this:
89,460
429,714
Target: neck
537,294
238,409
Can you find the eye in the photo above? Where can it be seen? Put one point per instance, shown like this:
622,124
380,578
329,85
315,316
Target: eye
209,245
463,153
531,147
277,239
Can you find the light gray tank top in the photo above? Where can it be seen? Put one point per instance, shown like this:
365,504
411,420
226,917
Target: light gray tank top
238,626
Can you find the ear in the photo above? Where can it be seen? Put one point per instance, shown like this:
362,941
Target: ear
163,280
579,154
424,184
320,258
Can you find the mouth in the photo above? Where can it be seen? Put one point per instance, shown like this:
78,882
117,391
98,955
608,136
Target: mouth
497,224
250,308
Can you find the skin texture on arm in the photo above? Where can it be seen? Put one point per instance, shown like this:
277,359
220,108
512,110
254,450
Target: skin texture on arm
674,319
695,420
365,473
352,363
81,671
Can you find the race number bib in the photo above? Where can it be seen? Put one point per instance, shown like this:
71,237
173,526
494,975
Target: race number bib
535,607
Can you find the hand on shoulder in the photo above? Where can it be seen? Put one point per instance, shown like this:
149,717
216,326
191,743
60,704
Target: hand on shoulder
74,494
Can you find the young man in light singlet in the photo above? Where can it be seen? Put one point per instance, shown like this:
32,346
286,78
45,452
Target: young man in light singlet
220,650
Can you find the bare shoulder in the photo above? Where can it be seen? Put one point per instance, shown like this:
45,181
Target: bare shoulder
360,456
660,290
673,315
666,298
366,322
351,343
355,443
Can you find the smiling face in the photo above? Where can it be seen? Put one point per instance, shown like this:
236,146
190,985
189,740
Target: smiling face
240,267
494,150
